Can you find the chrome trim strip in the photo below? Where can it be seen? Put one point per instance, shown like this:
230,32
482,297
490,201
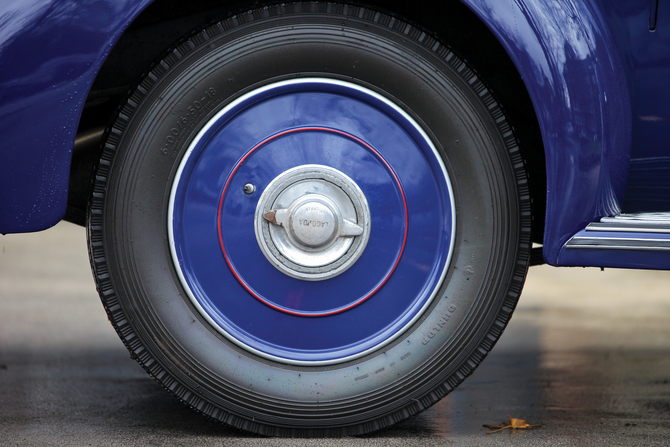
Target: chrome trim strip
639,217
617,247
634,223
631,227
601,235
613,243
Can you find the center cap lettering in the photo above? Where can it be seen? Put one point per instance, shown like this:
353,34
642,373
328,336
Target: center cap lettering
313,223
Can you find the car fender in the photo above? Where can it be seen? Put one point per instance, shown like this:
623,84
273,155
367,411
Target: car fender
569,62
50,53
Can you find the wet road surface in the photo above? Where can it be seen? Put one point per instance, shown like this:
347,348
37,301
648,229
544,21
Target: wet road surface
587,356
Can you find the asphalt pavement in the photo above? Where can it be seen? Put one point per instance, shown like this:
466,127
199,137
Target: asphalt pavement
586,356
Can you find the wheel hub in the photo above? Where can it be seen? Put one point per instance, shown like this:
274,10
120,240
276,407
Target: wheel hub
334,218
312,222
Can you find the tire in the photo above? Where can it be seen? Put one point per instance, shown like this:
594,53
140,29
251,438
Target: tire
326,113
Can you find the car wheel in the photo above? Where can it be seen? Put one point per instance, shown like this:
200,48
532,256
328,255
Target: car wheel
310,219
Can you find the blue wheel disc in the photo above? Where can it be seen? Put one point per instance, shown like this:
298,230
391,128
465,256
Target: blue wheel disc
259,137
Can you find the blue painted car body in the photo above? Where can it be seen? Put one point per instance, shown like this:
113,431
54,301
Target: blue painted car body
595,72
50,52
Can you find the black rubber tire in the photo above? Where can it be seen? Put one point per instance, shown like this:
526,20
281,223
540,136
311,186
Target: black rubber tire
127,229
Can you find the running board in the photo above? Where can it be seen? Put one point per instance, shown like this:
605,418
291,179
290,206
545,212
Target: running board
627,240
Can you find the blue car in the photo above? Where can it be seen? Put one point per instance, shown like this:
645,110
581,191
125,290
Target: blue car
315,218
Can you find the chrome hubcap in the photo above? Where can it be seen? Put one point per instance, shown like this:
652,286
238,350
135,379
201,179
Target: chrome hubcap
312,222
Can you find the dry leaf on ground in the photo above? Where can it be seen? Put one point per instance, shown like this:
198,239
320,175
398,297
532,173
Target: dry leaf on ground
513,423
